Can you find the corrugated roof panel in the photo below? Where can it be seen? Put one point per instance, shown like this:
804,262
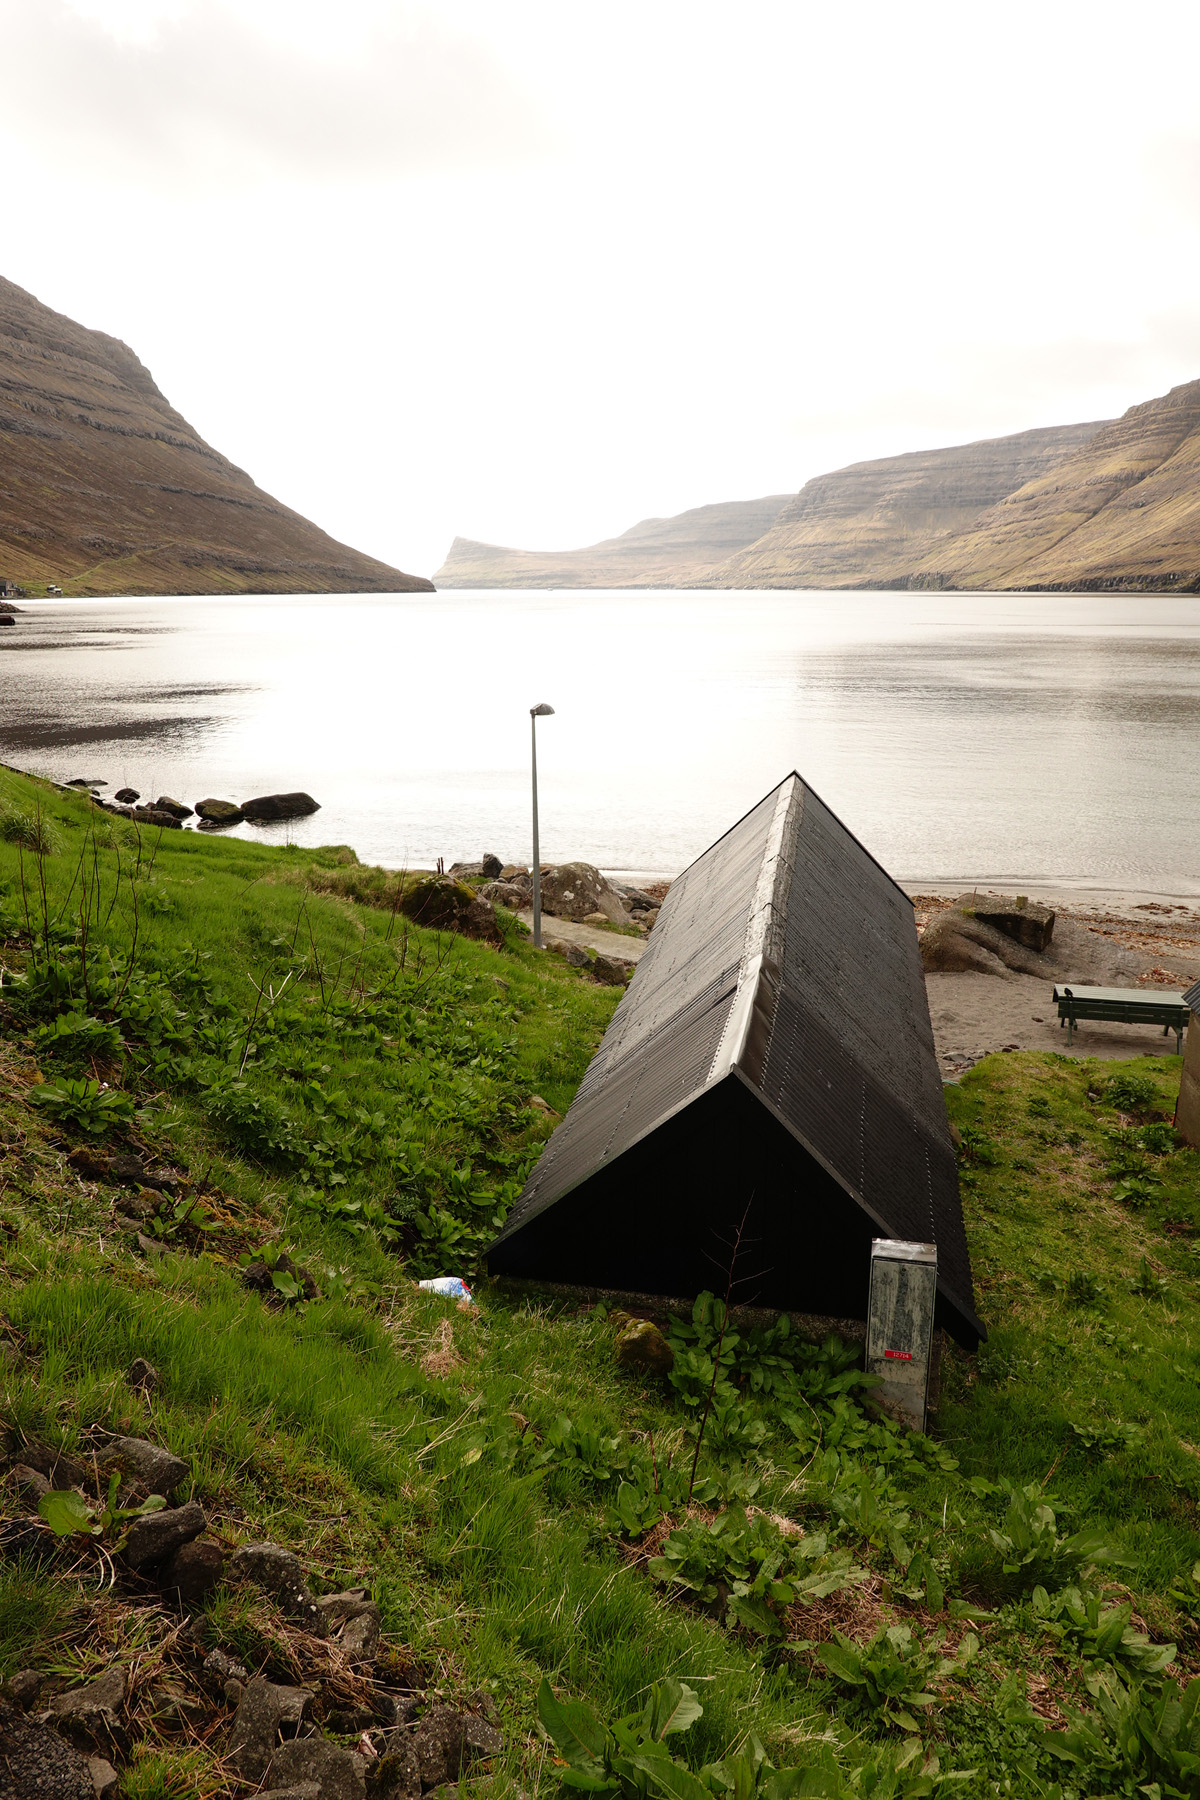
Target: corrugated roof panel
786,959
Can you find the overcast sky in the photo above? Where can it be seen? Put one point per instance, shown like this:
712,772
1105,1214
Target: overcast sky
531,270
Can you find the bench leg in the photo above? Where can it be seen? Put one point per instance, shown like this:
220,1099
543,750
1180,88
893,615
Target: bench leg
1070,1032
1179,1041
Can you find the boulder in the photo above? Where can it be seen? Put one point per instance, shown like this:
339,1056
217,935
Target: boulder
220,1667
641,1345
1023,921
279,806
159,1535
219,812
153,815
516,872
127,796
397,1774
447,1742
156,1469
442,904
352,1619
262,1709
573,890
37,1764
31,1484
91,1714
956,941
22,1689
279,1573
491,865
505,893
63,1471
614,971
105,1779
86,781
339,1774
142,1376
176,808
193,1572
637,901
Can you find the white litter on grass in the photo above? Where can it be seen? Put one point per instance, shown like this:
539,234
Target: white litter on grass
451,1287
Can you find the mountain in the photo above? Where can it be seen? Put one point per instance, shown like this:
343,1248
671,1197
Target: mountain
106,489
880,524
1122,511
657,553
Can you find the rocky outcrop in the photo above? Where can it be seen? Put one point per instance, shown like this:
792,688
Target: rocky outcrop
656,553
108,490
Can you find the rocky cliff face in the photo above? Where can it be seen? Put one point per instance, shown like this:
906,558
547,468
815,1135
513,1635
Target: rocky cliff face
877,524
657,553
105,489
1121,511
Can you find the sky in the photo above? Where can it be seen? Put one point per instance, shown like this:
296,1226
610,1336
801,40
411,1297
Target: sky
531,270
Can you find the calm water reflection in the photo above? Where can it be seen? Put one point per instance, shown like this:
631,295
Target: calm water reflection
1047,737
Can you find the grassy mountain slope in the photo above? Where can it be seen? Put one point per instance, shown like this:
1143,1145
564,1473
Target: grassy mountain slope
105,489
1123,511
324,1078
871,524
656,553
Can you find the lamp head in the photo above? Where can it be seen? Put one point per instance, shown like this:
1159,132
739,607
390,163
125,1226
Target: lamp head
540,712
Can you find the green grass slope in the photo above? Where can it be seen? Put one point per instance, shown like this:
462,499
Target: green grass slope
776,1589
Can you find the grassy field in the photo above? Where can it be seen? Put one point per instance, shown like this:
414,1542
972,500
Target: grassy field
856,1611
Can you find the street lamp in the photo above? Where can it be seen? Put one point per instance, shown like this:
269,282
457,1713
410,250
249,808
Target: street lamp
536,713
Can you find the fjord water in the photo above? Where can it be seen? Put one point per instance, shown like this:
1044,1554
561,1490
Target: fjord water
1039,737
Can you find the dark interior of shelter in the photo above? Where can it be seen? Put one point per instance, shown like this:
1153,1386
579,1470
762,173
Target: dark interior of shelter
722,1197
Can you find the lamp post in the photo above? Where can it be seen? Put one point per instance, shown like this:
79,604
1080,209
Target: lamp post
536,713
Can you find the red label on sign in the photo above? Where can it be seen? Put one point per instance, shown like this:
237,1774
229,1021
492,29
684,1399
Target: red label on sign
899,1355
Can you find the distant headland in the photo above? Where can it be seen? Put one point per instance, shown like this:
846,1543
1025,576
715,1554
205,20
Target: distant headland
1110,505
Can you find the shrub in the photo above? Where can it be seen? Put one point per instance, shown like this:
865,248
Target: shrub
891,1673
84,1103
1138,1735
77,1035
29,830
1129,1093
1033,1552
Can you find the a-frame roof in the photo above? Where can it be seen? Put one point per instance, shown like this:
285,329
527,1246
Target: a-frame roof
768,1080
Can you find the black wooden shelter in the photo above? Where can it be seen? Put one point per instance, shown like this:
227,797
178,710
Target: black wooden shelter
770,1071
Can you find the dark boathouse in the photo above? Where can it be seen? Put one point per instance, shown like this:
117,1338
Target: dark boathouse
768,1079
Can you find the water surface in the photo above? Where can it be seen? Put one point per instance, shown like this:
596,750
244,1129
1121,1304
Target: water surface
1030,737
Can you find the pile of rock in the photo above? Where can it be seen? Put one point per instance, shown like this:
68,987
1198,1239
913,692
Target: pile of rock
574,890
288,1740
211,815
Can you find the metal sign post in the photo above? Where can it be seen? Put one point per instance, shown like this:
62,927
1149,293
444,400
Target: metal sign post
900,1325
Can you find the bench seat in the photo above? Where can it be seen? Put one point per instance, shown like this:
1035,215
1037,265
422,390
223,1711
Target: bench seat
1122,1006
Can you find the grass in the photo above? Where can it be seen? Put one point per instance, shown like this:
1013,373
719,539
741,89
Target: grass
331,1080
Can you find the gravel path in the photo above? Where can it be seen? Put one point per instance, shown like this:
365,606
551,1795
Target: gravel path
592,937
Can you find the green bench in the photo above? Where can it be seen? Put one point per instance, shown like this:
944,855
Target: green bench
1123,1006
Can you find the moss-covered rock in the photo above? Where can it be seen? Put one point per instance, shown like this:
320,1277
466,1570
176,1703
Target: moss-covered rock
441,904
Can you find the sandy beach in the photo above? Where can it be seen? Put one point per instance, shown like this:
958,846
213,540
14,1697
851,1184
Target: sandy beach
1108,937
